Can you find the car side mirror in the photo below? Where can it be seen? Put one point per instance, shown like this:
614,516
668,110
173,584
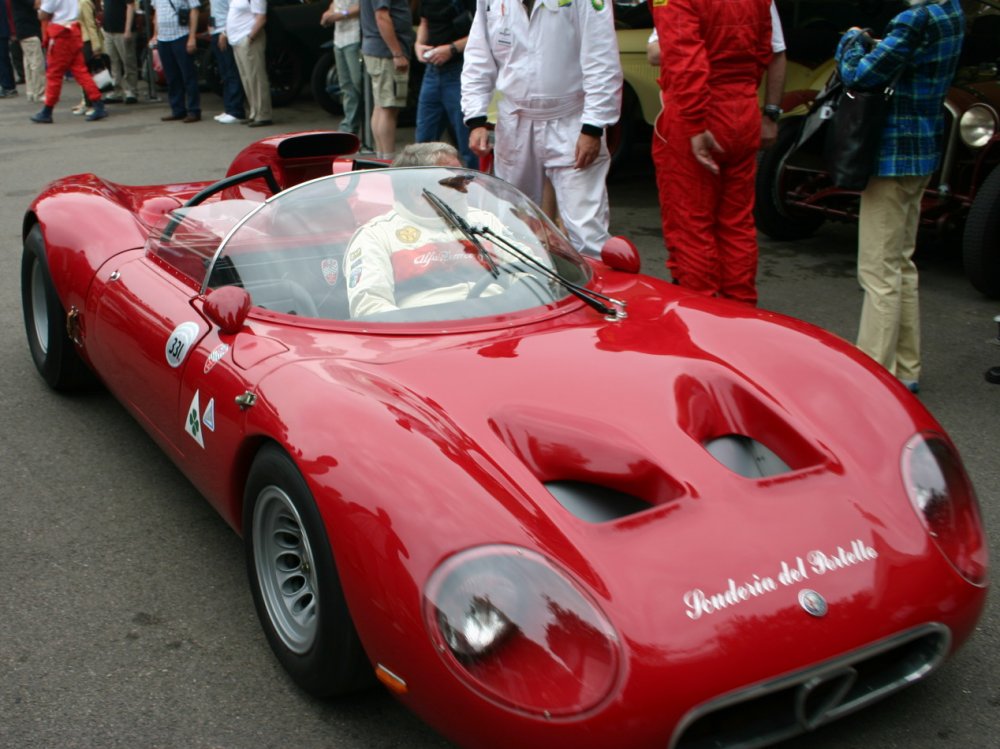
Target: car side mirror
228,307
620,254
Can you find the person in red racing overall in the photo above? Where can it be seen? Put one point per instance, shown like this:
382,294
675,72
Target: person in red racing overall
713,57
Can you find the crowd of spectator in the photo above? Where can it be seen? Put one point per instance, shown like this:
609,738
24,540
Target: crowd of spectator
556,67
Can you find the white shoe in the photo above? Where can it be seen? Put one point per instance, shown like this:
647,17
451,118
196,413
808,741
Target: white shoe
227,119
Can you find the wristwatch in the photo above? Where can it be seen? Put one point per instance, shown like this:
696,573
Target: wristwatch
772,112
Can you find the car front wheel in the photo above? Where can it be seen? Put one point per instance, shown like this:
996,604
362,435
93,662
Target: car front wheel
294,581
772,213
981,243
54,354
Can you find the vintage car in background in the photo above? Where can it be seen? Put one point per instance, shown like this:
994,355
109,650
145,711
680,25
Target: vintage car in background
294,41
640,91
961,206
546,500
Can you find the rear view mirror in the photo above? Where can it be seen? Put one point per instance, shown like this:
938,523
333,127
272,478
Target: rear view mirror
620,254
228,307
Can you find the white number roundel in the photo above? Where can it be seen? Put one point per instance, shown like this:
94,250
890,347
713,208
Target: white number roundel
179,342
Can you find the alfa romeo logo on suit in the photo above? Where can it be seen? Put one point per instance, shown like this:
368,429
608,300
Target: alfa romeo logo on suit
408,234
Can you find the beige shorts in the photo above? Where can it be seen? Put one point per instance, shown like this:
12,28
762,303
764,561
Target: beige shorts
389,88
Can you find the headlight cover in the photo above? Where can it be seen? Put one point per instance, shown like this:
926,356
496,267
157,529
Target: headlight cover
978,125
945,501
520,632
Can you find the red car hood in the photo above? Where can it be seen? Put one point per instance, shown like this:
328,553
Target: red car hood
465,432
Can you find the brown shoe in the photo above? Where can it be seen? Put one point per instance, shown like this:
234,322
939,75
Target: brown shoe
172,117
192,118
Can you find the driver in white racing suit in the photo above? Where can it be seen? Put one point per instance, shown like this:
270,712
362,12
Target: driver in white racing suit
560,77
409,257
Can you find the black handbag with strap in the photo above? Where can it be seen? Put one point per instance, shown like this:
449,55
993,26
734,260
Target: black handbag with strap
854,135
854,131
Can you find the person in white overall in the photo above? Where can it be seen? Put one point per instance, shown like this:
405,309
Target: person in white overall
557,69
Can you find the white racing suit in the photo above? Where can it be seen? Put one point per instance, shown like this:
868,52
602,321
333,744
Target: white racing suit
403,259
557,72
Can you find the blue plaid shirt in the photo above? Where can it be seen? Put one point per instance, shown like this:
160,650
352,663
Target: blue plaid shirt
923,42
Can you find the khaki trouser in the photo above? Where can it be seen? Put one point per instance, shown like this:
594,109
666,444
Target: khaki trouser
34,68
253,72
124,69
887,233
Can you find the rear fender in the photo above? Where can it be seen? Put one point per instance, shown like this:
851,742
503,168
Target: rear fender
85,222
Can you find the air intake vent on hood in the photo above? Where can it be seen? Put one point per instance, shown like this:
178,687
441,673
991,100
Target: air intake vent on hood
595,504
746,456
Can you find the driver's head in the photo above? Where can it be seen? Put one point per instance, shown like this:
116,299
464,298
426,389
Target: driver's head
407,186
428,154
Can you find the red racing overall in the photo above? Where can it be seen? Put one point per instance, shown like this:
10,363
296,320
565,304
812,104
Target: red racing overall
713,56
66,53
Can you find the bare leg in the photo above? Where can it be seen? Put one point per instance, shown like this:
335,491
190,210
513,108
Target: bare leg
384,129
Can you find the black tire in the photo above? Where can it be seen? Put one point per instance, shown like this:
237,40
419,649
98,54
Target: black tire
771,214
284,71
208,70
325,85
294,581
981,243
54,354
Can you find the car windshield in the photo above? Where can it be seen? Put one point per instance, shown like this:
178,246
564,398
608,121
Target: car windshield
392,245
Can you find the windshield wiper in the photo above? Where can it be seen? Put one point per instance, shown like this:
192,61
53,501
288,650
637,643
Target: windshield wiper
453,219
614,308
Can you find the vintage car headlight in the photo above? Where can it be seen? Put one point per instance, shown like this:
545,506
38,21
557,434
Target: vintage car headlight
520,632
946,502
978,125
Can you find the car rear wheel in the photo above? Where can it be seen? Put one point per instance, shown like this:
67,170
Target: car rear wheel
284,71
209,78
771,211
53,352
294,581
981,243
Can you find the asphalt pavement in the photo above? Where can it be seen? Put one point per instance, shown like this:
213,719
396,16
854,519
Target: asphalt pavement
125,616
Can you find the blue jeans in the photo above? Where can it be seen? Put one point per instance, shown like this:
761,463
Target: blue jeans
182,78
232,88
351,81
440,104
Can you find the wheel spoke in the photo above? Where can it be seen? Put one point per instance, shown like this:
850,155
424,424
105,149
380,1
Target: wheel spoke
285,569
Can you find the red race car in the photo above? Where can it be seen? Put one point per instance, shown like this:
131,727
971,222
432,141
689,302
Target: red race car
546,500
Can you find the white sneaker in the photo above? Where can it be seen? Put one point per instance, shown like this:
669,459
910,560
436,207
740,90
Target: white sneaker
227,119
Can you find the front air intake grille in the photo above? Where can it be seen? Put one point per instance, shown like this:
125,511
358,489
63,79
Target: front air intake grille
776,710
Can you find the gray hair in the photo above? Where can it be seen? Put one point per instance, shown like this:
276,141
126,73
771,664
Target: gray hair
426,154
